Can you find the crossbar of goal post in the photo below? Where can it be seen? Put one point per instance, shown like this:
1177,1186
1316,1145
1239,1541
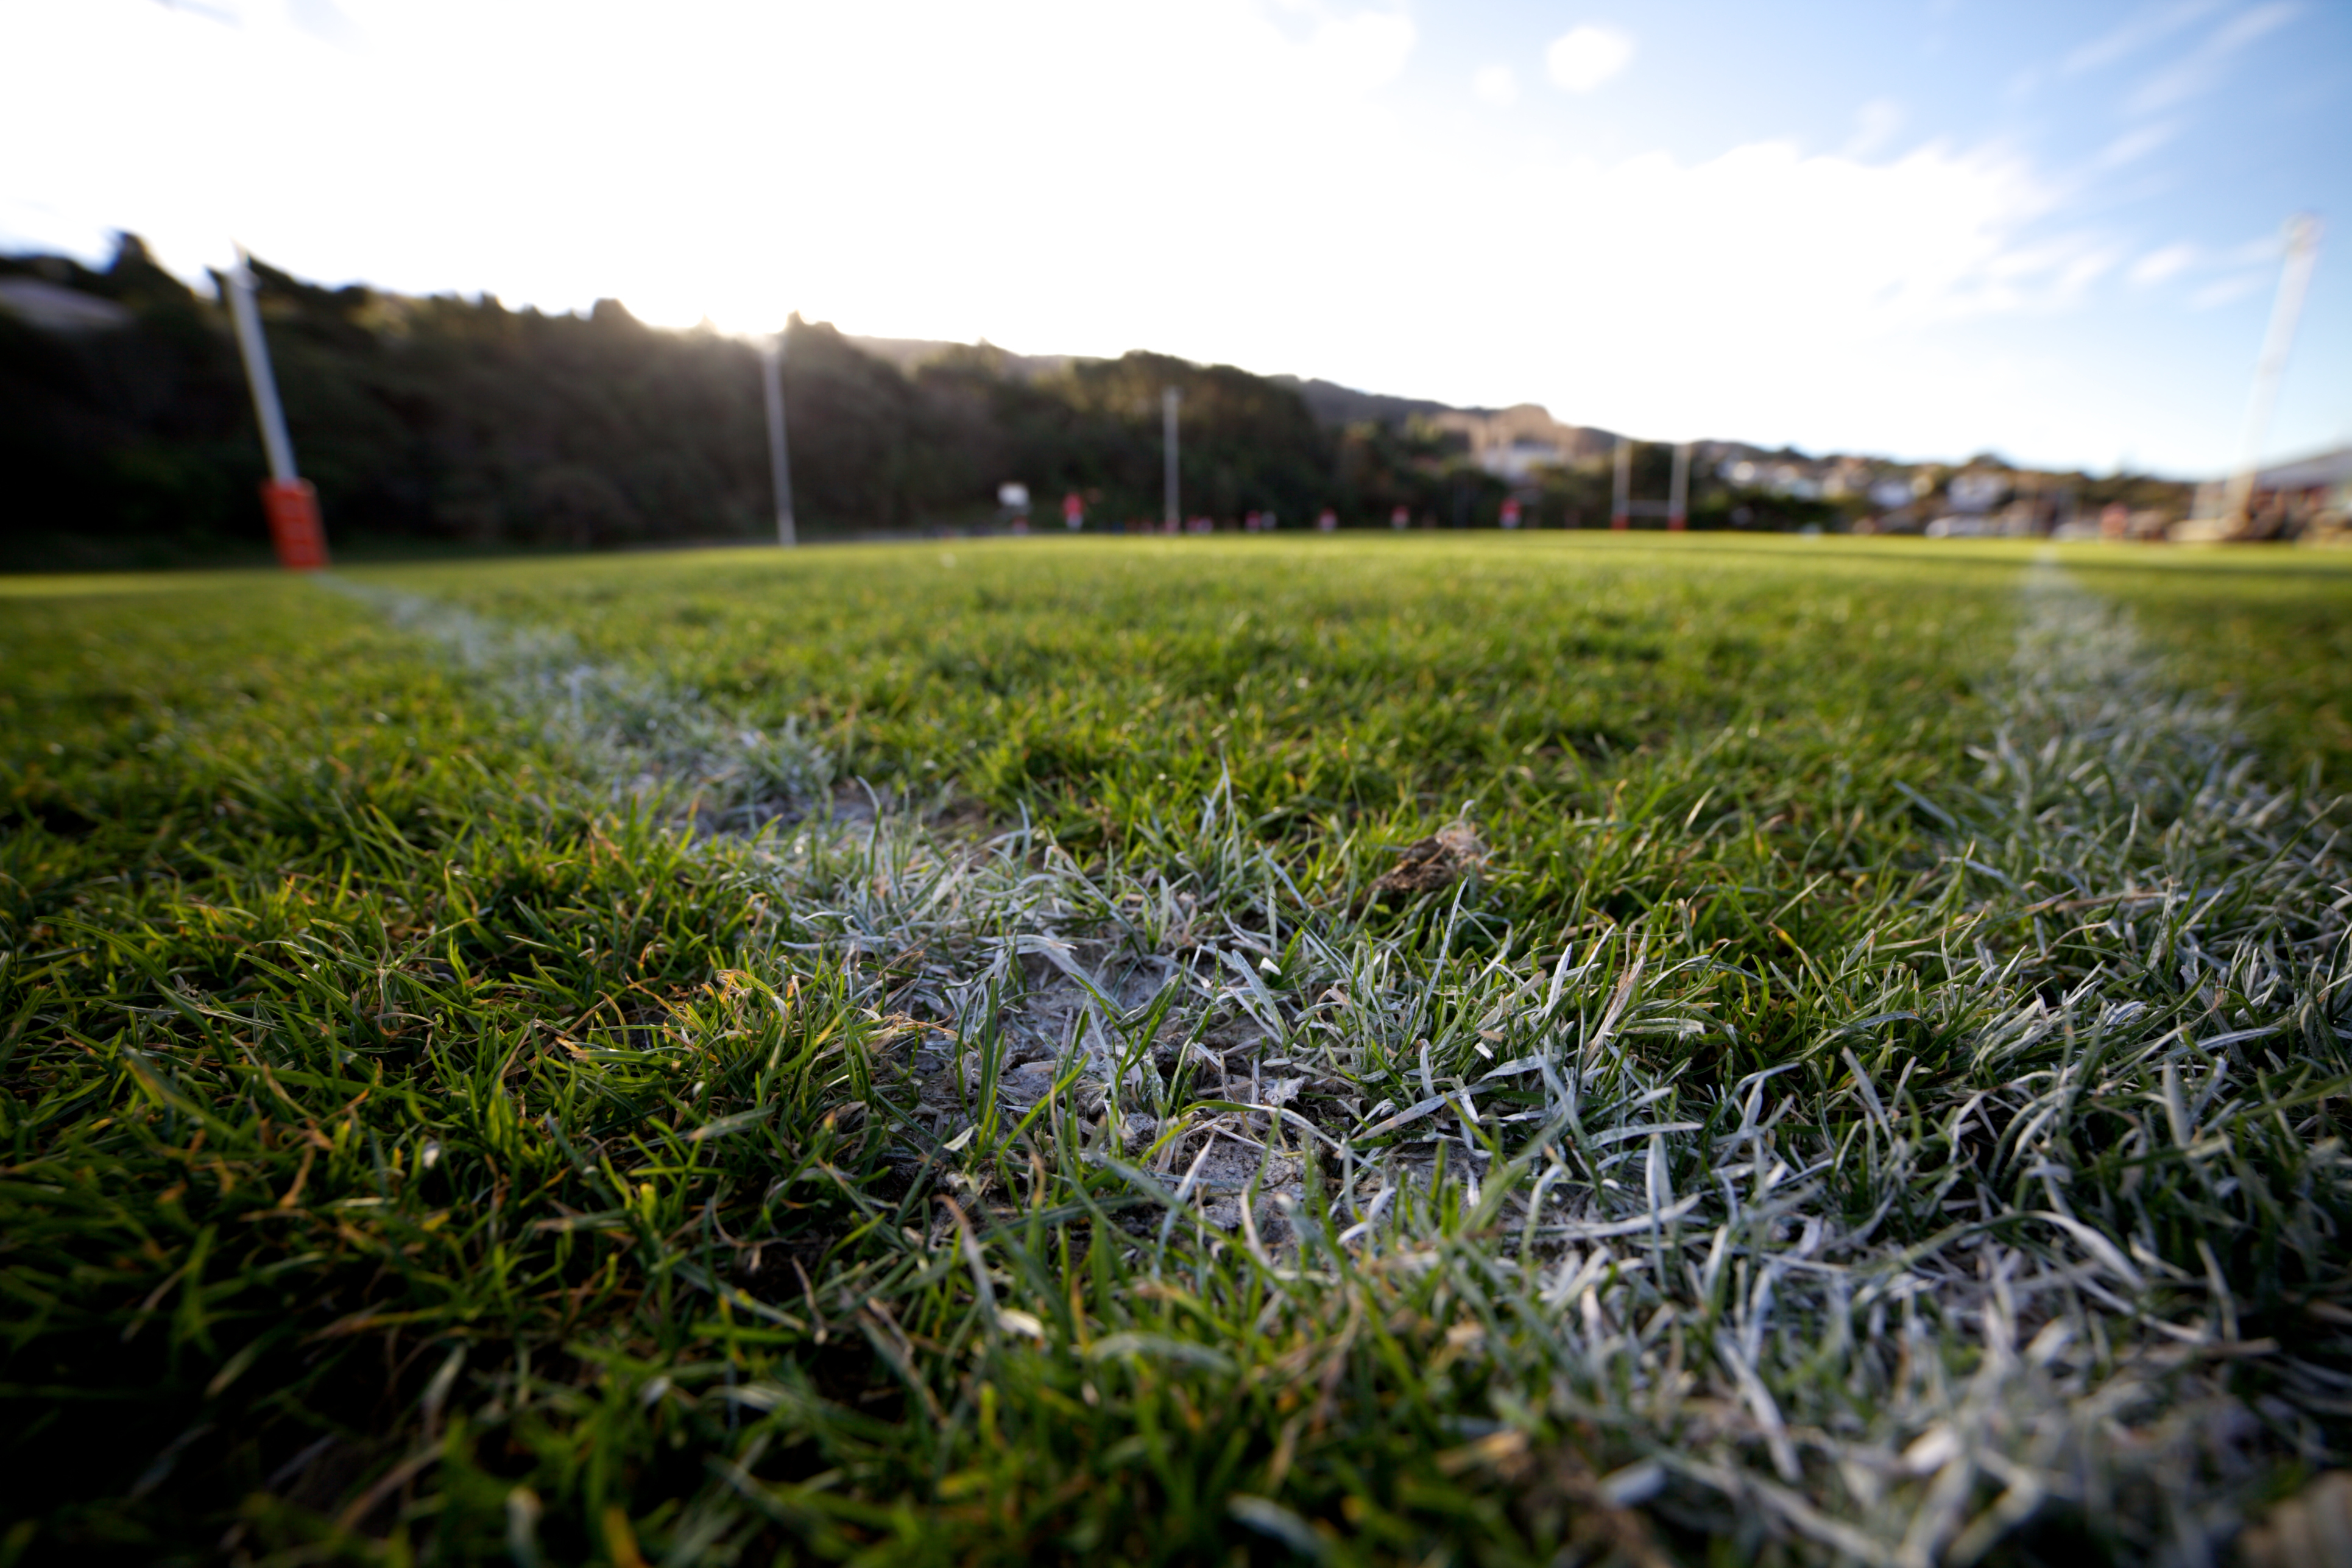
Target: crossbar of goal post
1623,508
287,500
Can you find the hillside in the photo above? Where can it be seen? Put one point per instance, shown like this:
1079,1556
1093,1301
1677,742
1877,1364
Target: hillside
453,423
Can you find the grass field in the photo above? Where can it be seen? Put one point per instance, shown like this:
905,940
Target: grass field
1558,1048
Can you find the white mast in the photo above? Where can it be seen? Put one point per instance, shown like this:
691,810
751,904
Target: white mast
2294,280
1169,398
288,502
780,463
255,351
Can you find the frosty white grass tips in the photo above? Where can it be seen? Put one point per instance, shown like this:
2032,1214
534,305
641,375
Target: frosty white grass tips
1972,1254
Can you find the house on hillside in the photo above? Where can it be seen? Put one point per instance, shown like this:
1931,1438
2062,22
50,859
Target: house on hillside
1798,480
2308,498
1519,460
1974,492
1846,477
1513,443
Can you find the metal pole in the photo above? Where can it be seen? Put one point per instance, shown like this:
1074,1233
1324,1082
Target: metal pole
2294,279
1620,512
1169,398
255,349
288,502
780,463
1679,496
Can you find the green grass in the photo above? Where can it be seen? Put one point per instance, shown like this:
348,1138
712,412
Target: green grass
897,1053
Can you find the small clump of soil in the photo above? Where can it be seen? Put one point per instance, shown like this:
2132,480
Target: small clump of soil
1426,865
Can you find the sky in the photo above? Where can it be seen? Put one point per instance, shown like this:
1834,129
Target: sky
1918,229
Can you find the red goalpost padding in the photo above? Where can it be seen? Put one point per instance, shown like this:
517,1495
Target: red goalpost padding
292,507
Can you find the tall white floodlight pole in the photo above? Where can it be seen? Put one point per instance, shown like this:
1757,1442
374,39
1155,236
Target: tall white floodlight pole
288,503
1678,494
1169,398
2294,279
780,462
255,349
1620,509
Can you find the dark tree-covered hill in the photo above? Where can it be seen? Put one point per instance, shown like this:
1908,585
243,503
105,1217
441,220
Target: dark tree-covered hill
460,422
445,423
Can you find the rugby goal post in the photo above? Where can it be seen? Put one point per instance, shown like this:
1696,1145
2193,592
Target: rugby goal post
1623,508
287,500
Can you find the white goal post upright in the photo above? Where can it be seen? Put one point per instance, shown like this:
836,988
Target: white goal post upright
1169,398
1623,506
2294,280
255,350
288,500
780,463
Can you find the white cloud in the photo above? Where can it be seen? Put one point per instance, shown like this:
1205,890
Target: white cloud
2247,27
1364,51
2153,25
2083,269
1583,57
2157,265
2268,248
2199,71
1837,268
1497,85
325,21
2134,145
2228,290
731,161
1875,125
1207,177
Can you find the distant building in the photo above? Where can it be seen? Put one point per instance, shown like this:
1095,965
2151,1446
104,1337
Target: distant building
1521,459
2025,517
1802,481
1513,443
1963,525
1846,477
2308,498
1977,490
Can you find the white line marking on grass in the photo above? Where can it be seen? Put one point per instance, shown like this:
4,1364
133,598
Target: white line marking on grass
618,727
2017,1256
